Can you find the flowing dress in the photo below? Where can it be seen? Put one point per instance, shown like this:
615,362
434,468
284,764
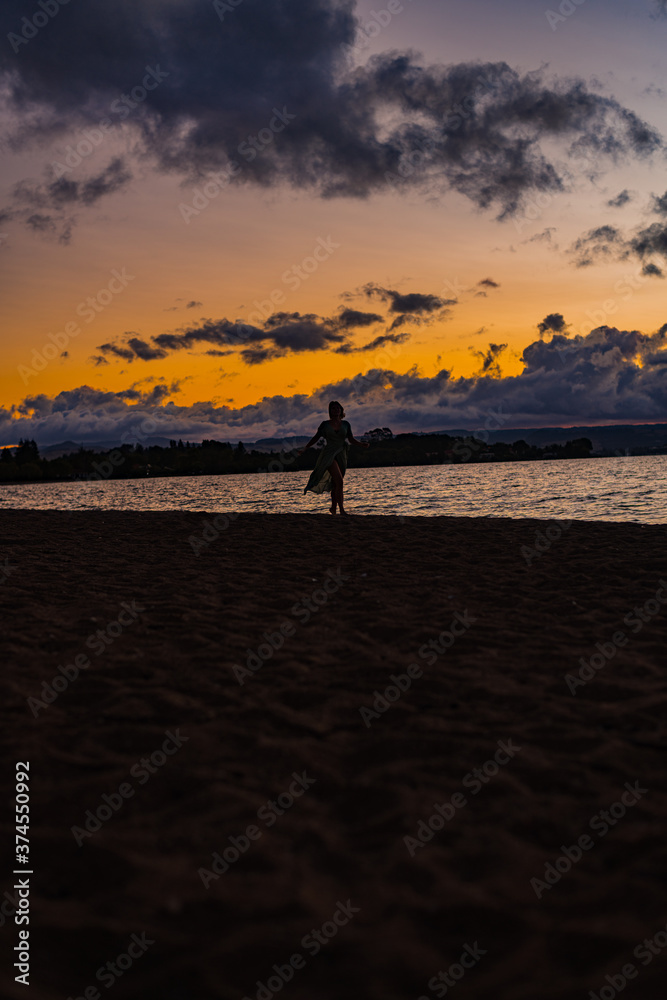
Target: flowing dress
336,448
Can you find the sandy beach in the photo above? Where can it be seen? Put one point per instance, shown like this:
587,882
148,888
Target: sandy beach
323,757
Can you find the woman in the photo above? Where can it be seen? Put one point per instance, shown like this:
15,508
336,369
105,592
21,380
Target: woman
332,460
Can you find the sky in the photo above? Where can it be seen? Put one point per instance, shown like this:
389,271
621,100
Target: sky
218,215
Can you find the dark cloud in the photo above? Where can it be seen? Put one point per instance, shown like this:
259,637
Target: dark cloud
350,318
61,192
546,236
490,364
660,204
487,283
376,344
132,349
193,305
620,200
607,243
338,131
553,323
414,303
653,271
57,197
648,242
41,223
405,320
603,243
283,332
609,375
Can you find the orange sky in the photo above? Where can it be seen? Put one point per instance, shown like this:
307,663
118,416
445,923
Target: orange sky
235,253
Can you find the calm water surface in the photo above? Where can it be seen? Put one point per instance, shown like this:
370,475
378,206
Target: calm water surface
604,489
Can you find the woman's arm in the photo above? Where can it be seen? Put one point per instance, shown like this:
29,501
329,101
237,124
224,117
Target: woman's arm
314,438
364,444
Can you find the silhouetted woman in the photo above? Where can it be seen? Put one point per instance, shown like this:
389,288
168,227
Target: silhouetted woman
332,460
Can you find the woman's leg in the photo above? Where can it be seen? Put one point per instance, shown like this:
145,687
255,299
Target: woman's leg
336,487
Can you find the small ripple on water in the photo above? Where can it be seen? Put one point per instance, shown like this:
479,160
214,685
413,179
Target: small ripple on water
622,489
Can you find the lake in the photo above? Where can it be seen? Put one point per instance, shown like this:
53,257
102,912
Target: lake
604,489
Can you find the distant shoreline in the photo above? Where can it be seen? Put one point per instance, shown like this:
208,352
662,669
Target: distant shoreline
272,457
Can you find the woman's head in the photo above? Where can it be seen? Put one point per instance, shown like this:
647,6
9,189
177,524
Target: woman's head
336,411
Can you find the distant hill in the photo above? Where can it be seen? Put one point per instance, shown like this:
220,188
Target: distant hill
606,440
615,438
69,447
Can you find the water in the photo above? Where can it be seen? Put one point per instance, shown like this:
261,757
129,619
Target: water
604,489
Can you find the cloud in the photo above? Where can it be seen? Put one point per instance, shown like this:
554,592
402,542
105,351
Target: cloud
134,348
193,305
648,242
490,364
609,375
412,302
60,196
58,193
350,318
375,345
652,271
603,243
620,200
546,236
606,244
660,203
553,323
348,131
487,283
283,332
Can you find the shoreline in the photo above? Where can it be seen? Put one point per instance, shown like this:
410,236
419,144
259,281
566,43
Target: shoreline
278,457
324,515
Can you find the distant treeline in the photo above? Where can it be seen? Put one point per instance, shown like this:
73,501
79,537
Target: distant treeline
23,464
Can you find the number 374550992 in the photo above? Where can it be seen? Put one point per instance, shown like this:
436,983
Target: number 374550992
22,811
